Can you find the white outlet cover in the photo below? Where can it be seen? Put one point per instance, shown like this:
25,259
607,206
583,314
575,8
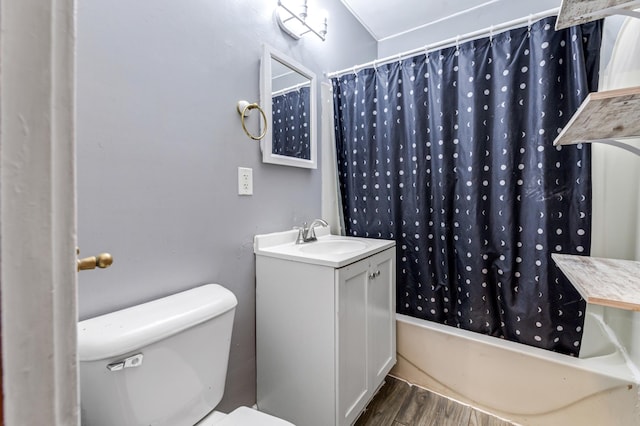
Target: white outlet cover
245,181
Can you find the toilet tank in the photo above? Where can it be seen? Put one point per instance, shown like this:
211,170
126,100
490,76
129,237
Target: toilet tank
160,363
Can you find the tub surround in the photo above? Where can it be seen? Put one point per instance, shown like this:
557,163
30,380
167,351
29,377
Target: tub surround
606,282
523,384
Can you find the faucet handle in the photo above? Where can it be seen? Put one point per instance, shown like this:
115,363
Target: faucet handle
307,233
311,234
302,232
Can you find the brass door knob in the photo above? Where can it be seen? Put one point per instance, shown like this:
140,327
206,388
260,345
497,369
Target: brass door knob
103,260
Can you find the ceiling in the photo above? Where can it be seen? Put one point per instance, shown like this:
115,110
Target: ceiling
386,19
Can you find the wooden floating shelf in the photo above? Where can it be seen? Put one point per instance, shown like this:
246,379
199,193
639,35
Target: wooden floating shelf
604,116
607,282
575,12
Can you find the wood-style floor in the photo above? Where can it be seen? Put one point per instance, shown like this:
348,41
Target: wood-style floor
400,404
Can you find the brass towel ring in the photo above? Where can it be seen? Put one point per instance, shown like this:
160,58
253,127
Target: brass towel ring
243,108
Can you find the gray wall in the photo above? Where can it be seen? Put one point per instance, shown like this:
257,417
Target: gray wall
159,142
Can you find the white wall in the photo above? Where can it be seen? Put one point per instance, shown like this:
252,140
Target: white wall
37,214
616,177
463,23
616,173
160,141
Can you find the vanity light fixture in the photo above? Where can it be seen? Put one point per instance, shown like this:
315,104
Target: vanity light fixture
297,24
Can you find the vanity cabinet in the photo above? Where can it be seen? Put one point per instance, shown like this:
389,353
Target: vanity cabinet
325,336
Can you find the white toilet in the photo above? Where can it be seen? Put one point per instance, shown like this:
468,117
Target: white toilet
162,363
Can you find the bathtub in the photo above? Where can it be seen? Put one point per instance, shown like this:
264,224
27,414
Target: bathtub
522,384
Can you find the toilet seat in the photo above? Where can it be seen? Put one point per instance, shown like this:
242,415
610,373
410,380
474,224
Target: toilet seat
245,416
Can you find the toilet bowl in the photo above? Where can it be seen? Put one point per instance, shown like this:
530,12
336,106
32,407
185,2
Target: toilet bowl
162,363
242,416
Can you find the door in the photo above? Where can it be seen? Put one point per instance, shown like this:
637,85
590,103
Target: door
37,213
381,324
352,392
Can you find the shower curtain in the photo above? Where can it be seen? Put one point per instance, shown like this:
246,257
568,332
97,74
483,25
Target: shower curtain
290,124
451,154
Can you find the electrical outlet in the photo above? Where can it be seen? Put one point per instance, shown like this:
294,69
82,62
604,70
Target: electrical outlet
245,181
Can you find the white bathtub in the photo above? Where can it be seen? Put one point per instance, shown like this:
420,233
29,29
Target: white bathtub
523,384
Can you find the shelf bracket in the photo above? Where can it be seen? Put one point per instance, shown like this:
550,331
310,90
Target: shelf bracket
617,143
625,12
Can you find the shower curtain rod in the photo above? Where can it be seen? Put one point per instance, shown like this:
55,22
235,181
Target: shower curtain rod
291,88
450,42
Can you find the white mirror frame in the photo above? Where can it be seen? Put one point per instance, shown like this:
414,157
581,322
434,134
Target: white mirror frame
266,102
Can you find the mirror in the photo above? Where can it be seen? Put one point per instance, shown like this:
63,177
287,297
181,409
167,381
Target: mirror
288,98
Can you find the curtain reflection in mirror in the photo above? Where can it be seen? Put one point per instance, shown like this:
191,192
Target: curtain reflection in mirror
290,127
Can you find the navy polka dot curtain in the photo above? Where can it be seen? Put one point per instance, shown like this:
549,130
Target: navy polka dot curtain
451,154
291,123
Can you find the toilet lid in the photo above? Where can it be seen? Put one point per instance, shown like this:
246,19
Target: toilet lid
245,416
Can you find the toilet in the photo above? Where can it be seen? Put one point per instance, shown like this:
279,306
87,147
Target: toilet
162,363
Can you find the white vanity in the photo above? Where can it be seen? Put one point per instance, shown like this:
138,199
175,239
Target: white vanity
325,325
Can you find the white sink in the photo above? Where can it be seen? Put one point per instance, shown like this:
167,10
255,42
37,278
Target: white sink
332,246
329,250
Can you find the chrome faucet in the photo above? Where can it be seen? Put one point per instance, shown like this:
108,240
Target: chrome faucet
307,233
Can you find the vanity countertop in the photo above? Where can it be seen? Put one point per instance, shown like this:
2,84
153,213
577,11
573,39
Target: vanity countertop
606,282
329,250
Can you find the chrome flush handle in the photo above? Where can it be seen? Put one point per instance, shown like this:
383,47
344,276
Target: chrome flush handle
130,362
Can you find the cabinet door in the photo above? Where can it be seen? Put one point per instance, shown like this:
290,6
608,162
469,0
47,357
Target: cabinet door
381,324
352,371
